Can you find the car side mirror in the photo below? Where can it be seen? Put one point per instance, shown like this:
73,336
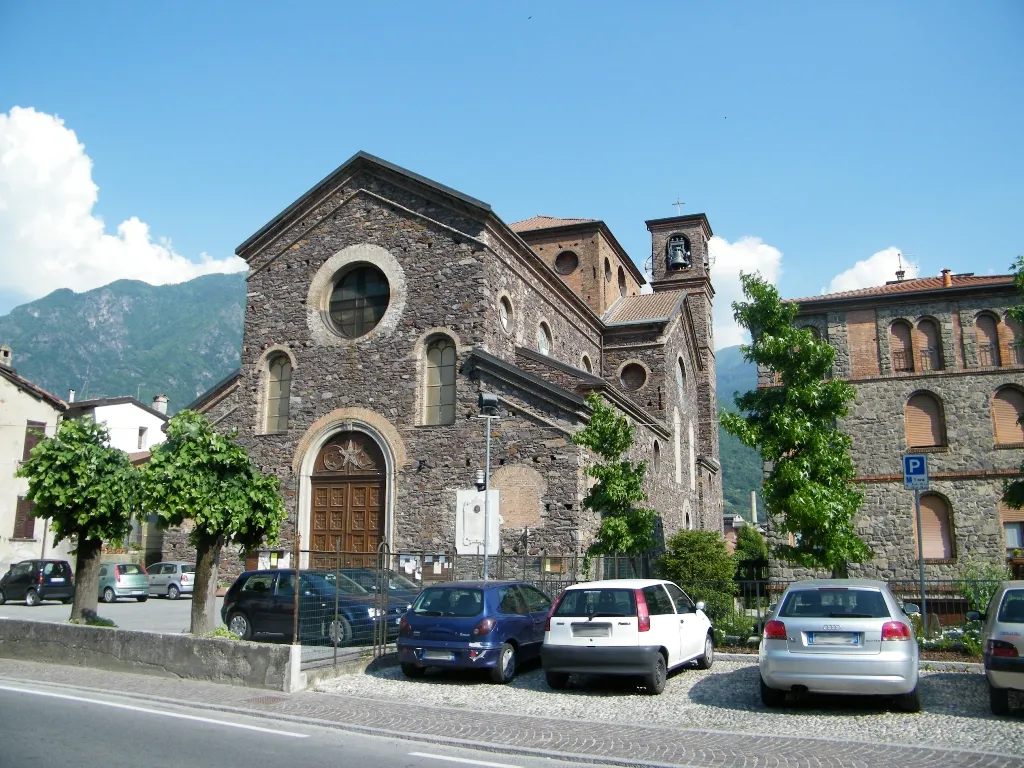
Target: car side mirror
701,605
911,609
975,615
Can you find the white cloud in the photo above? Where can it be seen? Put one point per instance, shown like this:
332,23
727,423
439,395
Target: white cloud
876,270
748,254
49,236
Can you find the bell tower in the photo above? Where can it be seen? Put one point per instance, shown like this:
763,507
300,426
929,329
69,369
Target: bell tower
680,257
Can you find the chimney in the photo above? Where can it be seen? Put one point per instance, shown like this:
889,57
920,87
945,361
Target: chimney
947,279
6,356
71,396
160,404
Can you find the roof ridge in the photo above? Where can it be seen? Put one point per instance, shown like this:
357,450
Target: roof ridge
925,282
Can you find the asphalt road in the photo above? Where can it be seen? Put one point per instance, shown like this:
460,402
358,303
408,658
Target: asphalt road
158,614
53,726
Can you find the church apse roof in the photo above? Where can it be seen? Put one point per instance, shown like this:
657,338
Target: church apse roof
645,307
546,222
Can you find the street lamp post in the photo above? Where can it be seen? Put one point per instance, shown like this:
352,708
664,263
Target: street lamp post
488,411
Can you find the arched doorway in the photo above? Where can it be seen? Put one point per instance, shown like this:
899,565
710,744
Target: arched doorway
347,510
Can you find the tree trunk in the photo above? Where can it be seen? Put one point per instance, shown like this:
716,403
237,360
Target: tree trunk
87,578
839,571
204,591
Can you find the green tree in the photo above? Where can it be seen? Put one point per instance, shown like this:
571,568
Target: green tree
809,488
700,563
625,527
751,553
205,479
88,491
1013,492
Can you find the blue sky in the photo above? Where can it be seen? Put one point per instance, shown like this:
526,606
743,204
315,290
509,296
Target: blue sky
829,131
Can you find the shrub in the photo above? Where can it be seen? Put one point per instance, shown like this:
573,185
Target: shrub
92,620
978,580
700,563
222,631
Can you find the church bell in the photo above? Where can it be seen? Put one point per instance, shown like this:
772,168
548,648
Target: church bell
677,257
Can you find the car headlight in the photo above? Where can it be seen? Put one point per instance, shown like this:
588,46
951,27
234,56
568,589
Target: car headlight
373,612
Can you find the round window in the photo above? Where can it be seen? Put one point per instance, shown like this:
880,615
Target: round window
633,376
505,314
359,301
544,339
566,263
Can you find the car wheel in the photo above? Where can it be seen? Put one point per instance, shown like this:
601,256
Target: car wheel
412,671
557,680
32,598
68,600
909,702
340,631
505,669
173,593
142,599
999,700
3,597
655,682
109,595
771,697
239,624
706,659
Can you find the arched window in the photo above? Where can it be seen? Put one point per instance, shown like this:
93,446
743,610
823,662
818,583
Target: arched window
681,383
900,347
1014,336
544,339
505,315
587,365
987,334
937,525
656,461
693,458
813,331
929,353
279,392
439,399
1007,407
607,271
622,282
925,423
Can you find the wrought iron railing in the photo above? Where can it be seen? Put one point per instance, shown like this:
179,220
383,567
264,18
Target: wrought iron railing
902,361
930,359
988,355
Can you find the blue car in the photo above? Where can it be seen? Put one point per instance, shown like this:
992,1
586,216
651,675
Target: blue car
473,625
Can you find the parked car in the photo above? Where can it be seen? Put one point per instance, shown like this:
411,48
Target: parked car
36,580
399,585
1002,644
473,625
841,636
633,627
263,602
171,580
123,580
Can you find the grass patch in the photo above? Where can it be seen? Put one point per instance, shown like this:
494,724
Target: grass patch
93,621
222,631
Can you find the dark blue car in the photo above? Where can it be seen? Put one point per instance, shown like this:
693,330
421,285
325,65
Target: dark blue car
473,625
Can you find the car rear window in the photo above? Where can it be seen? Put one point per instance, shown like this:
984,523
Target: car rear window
835,603
1012,609
597,602
188,569
129,569
438,601
57,569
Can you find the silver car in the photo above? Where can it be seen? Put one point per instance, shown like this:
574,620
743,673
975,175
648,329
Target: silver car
845,636
1002,644
171,580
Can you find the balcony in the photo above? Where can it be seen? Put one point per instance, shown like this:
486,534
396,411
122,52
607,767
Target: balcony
988,356
901,361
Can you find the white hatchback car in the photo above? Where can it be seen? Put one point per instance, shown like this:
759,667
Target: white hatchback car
636,627
1002,641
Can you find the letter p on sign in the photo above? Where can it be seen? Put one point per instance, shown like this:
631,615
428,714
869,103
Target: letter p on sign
915,472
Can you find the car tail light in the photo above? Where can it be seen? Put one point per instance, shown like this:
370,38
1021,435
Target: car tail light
895,630
40,576
1002,648
483,627
184,578
547,624
117,575
774,630
404,627
643,618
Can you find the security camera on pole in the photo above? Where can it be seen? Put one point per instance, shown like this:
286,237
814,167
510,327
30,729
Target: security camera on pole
915,478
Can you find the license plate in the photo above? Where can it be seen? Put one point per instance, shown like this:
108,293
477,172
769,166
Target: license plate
438,656
833,638
591,630
137,592
57,580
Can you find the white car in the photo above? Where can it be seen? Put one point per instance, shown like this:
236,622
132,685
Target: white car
636,627
1002,646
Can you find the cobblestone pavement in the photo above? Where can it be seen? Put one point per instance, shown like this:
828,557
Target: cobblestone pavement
561,736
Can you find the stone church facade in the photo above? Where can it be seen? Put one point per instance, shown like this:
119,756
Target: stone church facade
381,303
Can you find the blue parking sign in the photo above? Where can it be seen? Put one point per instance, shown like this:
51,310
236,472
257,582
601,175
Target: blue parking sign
915,472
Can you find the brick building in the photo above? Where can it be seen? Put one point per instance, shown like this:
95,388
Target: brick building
380,303
936,371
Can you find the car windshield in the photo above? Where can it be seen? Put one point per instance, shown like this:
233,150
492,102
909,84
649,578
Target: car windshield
835,603
449,601
368,578
597,602
1012,609
345,584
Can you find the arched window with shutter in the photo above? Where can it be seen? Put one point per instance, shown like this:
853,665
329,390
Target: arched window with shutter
279,393
926,426
937,525
901,349
986,328
1007,407
439,392
929,355
1014,337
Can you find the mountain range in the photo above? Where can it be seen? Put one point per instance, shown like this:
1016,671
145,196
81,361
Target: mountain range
132,338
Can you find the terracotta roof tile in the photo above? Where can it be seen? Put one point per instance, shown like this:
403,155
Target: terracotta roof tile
545,222
646,306
916,284
138,457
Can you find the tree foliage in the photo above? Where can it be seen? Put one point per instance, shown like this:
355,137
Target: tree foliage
809,489
700,563
751,553
1013,492
201,478
88,491
625,528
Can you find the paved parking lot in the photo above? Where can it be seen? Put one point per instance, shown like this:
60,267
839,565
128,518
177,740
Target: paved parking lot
155,615
726,698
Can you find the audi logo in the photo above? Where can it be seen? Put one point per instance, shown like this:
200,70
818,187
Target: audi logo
831,627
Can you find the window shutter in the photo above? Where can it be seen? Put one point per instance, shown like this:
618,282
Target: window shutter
929,346
937,539
24,523
1010,515
988,341
900,346
1007,406
34,432
924,422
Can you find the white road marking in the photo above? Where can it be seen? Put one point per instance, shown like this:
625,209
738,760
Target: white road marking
462,760
178,715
